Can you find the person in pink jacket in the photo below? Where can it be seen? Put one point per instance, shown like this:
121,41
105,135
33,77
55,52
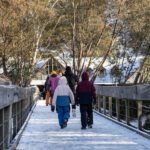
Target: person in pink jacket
53,82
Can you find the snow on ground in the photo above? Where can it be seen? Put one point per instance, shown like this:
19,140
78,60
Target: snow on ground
103,78
43,132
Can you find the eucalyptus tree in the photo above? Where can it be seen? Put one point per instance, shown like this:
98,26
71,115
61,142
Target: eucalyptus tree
86,31
81,27
133,40
22,25
11,36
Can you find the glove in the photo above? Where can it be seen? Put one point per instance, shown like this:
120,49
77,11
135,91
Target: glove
73,113
73,106
52,108
77,102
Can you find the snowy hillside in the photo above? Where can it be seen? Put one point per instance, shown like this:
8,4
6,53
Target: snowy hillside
106,77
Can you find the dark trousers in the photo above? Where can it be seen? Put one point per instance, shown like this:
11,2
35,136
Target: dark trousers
86,114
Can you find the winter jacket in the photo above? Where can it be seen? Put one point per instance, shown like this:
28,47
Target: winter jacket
53,82
63,94
46,85
85,91
71,78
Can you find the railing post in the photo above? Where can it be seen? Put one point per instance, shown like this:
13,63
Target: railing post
104,105
19,114
16,118
1,128
118,109
10,125
127,108
99,103
3,136
139,114
110,106
6,126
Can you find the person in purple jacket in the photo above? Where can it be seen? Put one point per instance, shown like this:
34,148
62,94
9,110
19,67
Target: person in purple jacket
53,82
85,97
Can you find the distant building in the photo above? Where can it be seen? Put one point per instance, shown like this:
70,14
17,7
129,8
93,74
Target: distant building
42,69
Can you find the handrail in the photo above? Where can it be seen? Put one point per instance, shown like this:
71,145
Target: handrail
134,92
129,105
15,105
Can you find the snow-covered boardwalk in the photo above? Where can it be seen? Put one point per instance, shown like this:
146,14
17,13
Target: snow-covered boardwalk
43,133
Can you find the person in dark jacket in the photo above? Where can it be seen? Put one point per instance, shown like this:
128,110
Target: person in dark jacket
46,85
71,78
85,97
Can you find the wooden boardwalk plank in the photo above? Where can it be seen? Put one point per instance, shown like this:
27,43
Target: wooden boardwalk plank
44,133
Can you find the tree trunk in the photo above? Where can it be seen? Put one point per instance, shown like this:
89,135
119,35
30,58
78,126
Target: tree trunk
4,65
74,35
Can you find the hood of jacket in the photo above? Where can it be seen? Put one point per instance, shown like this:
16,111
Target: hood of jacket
54,75
85,76
63,81
68,71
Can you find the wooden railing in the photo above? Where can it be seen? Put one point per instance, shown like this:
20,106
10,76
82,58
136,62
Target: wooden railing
127,105
15,105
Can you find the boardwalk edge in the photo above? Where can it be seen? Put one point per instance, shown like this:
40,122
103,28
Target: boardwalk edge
124,125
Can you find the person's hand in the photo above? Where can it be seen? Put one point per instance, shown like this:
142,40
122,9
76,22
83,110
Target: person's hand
52,108
77,103
73,106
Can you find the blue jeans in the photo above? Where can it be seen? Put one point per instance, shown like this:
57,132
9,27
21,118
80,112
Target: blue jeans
63,113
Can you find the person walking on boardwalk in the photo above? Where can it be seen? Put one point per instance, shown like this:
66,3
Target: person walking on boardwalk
52,82
86,96
71,78
61,99
47,92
